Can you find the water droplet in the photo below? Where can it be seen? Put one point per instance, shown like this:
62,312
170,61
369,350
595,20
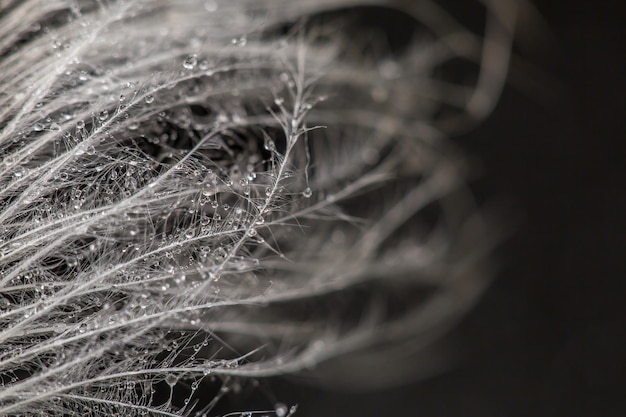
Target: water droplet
80,124
269,145
72,261
389,69
243,182
379,94
307,193
4,303
149,99
171,380
103,115
180,278
38,127
281,410
220,253
252,232
55,126
190,234
190,62
122,97
204,65
240,41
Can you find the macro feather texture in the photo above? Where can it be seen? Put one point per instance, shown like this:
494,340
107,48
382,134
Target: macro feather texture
220,191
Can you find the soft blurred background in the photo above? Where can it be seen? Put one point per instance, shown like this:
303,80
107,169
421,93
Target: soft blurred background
548,337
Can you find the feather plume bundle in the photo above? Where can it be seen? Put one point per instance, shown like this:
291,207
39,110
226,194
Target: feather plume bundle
220,191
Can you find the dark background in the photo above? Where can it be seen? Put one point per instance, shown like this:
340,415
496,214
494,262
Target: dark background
548,337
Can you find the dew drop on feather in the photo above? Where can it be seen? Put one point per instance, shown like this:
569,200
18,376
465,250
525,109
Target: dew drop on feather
240,41
171,380
281,410
190,62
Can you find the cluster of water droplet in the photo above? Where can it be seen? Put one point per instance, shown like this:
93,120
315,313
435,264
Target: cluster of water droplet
118,214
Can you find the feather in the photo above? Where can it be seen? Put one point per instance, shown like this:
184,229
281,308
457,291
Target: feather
227,190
